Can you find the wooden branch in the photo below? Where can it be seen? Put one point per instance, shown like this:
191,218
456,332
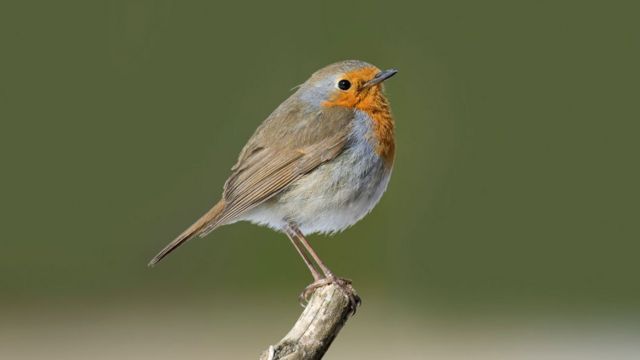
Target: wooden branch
310,337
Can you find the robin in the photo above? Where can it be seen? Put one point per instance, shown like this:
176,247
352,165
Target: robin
318,164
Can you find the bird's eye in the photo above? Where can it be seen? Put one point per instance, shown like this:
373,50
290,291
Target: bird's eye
344,84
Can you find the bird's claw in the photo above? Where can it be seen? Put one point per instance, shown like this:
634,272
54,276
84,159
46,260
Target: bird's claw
343,284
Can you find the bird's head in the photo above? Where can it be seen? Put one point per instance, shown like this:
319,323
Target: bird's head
351,83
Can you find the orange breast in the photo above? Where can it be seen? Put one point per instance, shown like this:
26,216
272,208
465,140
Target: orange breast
383,127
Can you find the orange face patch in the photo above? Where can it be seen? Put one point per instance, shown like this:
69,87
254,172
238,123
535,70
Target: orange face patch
356,94
371,101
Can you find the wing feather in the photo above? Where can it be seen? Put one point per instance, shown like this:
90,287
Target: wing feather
289,144
272,160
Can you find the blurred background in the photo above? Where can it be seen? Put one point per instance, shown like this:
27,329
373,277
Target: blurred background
509,229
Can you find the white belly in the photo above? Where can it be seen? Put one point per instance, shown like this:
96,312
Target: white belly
335,195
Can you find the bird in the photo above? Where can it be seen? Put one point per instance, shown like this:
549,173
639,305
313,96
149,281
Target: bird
318,163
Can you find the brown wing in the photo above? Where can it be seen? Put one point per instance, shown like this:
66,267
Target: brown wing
289,144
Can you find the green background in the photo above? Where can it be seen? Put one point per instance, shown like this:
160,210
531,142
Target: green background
514,194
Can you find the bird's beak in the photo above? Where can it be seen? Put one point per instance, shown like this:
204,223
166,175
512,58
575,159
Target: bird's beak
380,77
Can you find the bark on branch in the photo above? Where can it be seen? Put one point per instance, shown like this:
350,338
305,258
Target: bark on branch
310,337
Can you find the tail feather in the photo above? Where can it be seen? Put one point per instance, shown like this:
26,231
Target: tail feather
207,221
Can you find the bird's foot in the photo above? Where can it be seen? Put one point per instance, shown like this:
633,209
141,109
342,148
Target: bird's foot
305,295
343,284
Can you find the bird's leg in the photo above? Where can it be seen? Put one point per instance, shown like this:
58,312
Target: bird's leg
344,284
293,236
328,273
